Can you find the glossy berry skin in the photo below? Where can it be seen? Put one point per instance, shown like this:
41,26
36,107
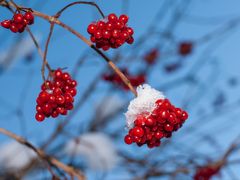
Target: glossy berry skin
29,16
18,22
14,28
150,128
39,117
6,24
123,18
18,18
111,34
56,96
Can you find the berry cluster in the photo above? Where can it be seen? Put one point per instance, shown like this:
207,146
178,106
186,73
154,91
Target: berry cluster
135,80
111,32
206,173
161,122
185,48
56,96
151,56
18,22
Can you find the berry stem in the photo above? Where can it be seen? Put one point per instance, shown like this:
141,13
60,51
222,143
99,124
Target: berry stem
80,2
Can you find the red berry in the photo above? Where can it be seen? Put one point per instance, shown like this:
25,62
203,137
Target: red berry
39,117
98,34
6,24
58,73
130,31
13,28
73,92
60,99
128,139
18,18
123,18
66,76
168,127
184,115
130,40
112,17
101,25
106,34
29,16
137,131
91,28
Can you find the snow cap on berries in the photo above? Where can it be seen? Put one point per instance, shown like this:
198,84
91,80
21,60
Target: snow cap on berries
143,103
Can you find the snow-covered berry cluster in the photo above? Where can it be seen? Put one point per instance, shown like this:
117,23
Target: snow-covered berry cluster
135,80
19,22
206,173
111,32
151,117
56,96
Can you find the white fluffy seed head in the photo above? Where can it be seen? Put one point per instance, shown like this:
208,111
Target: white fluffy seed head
143,103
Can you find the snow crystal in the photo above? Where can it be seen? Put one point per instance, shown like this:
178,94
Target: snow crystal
96,147
143,103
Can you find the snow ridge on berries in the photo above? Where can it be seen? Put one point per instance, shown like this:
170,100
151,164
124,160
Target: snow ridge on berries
151,117
19,22
111,32
56,96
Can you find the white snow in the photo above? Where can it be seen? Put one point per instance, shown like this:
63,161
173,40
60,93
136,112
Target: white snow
15,156
143,103
96,147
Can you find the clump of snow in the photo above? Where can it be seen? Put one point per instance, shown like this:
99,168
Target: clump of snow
96,147
143,103
14,156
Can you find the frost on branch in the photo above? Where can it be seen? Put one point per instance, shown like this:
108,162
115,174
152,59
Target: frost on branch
14,156
151,117
96,147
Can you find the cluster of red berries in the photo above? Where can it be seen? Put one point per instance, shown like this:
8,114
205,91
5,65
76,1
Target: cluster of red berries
111,32
151,56
151,128
56,96
18,22
135,80
206,173
185,48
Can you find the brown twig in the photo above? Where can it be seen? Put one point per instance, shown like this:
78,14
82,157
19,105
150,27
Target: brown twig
50,160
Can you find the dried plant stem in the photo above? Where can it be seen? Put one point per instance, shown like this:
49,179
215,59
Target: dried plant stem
50,160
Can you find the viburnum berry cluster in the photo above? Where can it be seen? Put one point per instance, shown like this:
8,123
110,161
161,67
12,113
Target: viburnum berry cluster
135,80
56,96
151,117
206,173
19,22
185,48
111,32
